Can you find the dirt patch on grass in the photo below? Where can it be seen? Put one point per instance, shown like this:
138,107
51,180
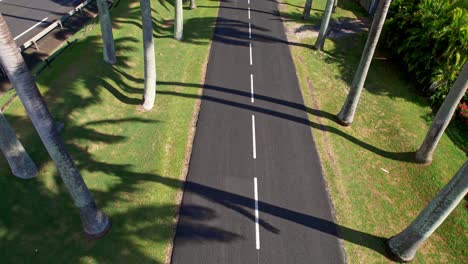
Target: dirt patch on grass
337,29
327,145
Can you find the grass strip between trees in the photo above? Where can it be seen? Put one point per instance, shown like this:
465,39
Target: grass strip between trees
133,162
375,187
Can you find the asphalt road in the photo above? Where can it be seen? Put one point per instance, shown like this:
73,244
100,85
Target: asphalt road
26,18
255,192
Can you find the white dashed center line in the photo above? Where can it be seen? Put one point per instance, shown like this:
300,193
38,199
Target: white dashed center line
257,231
254,144
251,89
250,53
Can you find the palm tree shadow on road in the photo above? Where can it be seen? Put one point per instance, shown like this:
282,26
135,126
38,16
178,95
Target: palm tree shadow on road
400,156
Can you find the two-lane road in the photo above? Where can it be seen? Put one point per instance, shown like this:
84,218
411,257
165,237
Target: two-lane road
26,18
255,192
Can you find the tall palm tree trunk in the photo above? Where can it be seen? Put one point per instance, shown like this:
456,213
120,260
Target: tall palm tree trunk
443,117
335,5
307,8
193,4
346,115
179,20
404,245
106,31
149,55
324,26
95,222
21,164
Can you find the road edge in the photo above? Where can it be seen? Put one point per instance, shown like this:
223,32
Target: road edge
188,149
331,206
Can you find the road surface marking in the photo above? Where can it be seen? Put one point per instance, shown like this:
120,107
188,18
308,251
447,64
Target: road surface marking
249,12
251,89
250,53
31,28
253,138
257,231
248,1
250,31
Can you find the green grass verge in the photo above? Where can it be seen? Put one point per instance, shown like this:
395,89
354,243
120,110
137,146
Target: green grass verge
131,161
390,123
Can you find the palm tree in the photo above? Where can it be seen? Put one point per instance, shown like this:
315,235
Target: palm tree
335,5
106,31
307,7
179,20
403,246
21,164
95,222
346,115
150,59
443,117
324,26
193,4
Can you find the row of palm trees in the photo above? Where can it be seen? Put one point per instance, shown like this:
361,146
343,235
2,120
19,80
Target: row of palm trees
403,246
94,220
346,116
96,223
148,43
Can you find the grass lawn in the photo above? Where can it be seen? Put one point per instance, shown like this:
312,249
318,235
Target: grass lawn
133,162
390,124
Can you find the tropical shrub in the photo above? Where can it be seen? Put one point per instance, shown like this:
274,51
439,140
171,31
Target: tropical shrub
463,112
430,37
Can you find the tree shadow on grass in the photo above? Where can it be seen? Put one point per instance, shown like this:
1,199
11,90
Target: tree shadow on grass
385,78
151,223
41,207
103,75
346,54
294,13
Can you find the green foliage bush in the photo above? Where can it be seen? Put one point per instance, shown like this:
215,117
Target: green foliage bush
430,37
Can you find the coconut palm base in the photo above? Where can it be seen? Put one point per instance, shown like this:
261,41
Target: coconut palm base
95,223
142,109
344,118
423,159
21,164
24,168
110,61
393,255
343,123
59,126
